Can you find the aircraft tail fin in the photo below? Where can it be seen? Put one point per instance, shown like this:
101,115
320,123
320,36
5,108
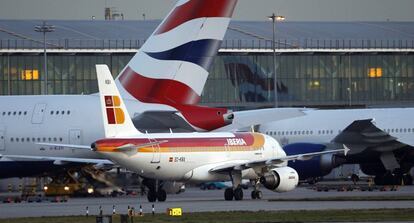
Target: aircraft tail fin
172,66
115,115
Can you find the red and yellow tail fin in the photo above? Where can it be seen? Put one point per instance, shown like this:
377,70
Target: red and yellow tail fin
117,121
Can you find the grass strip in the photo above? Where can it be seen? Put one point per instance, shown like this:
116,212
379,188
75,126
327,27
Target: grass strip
350,198
247,216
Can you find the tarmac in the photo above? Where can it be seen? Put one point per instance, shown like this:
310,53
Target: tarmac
196,200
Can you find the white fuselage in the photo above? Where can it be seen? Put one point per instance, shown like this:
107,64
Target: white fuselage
321,126
193,164
72,119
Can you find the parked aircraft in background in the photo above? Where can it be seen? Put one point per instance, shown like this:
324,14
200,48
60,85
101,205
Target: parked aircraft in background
162,85
380,140
190,156
170,72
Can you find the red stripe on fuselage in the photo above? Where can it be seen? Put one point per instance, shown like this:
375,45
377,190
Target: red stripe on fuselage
194,9
248,138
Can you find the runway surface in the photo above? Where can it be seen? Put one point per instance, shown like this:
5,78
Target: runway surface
196,200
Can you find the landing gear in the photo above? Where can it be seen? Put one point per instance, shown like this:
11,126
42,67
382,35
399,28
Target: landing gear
256,193
152,196
155,191
161,195
228,194
390,179
237,191
238,194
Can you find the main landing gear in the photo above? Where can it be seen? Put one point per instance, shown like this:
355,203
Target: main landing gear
155,191
236,191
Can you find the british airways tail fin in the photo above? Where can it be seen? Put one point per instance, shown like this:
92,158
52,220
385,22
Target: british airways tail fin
117,122
172,66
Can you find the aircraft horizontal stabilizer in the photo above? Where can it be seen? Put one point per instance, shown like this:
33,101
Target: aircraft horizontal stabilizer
130,147
246,119
59,160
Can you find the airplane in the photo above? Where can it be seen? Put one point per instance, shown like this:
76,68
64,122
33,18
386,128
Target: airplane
380,141
195,157
161,85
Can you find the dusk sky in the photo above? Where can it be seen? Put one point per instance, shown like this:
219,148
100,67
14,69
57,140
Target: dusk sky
293,10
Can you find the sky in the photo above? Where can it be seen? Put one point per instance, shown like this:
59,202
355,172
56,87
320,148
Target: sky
293,10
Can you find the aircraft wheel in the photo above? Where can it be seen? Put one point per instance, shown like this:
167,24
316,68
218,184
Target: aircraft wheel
408,179
238,194
228,194
152,196
259,194
161,195
253,194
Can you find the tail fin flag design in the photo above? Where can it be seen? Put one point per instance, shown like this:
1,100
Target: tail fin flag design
172,66
117,122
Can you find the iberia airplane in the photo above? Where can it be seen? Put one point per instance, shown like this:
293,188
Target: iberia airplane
190,156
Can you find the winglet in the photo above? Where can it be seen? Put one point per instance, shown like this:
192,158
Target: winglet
346,150
117,121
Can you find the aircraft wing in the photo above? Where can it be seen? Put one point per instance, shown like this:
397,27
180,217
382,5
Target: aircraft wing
270,162
364,137
246,119
361,135
60,160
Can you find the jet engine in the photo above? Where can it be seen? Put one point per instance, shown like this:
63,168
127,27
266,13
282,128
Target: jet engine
280,179
318,166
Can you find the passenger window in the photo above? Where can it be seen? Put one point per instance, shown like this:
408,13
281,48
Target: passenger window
4,113
20,113
25,113
8,113
63,112
57,112
22,139
17,139
60,139
11,139
14,113
51,112
68,112
28,139
54,139
49,139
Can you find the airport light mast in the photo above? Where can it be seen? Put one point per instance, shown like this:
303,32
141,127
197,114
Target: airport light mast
44,28
274,19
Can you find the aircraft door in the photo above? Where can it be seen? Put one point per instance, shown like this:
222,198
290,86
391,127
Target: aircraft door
38,113
156,153
75,137
2,140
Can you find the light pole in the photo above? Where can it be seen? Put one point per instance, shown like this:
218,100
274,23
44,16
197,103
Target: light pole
44,28
275,18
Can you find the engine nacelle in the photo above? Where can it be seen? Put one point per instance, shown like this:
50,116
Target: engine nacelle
280,179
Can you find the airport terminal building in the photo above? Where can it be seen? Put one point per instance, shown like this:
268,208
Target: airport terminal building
317,64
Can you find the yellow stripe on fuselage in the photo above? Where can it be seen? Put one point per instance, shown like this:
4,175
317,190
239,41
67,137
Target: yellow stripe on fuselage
257,145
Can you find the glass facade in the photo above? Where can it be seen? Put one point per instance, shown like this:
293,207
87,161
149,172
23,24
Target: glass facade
239,80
